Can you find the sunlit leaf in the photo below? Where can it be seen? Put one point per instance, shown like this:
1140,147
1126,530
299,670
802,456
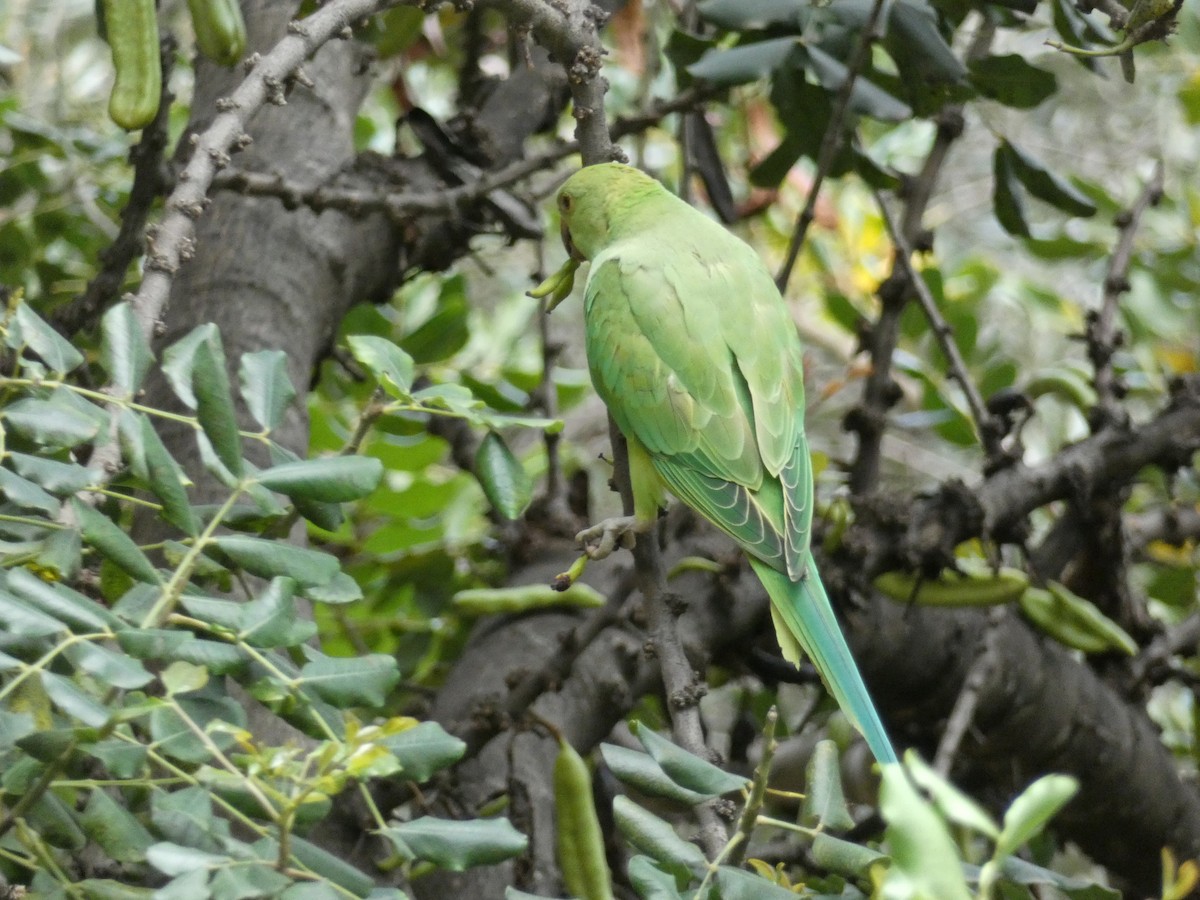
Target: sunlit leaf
124,348
265,386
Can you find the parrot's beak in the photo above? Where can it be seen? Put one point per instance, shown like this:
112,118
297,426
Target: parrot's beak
570,244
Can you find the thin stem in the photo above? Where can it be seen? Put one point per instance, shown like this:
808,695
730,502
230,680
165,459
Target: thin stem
832,140
183,573
985,425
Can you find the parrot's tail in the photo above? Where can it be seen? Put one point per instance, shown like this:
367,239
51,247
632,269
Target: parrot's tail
805,622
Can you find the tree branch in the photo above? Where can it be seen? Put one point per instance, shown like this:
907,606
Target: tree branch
985,424
265,82
832,140
1102,334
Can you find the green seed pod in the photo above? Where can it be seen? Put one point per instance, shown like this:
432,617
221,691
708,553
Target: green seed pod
220,29
132,27
580,839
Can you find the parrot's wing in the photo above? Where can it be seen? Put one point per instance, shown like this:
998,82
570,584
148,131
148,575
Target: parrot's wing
698,361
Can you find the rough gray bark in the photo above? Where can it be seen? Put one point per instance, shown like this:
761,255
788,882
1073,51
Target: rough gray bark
271,277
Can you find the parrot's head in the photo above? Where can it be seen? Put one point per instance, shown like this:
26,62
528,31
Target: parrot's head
593,204
594,199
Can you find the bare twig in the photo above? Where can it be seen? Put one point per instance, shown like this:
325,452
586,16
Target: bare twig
869,418
1174,525
758,792
832,140
1103,335
985,423
265,83
963,713
148,183
401,205
1181,637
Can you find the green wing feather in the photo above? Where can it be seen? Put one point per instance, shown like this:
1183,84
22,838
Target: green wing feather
700,366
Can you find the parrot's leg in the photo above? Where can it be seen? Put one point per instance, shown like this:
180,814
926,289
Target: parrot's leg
601,539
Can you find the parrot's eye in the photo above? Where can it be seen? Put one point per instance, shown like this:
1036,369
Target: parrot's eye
564,202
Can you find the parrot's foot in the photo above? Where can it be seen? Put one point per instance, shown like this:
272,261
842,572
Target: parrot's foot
604,537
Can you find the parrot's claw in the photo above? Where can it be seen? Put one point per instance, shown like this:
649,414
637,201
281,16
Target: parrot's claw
601,539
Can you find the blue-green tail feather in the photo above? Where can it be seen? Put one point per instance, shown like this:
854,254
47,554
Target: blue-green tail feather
804,620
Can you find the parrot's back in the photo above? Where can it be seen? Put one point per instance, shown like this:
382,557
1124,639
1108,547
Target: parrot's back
694,352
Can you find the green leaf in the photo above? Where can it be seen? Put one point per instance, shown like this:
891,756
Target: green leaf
650,881
330,479
19,619
269,559
457,845
754,15
108,889
865,97
950,801
502,477
684,768
56,352
1012,81
63,603
219,658
328,516
25,494
173,859
59,478
124,349
339,589
844,857
925,861
424,749
1047,186
174,737
117,831
266,387
325,864
362,680
649,834
445,332
214,401
153,643
107,667
913,25
270,620
56,823
74,701
1019,871
1006,194
178,362
391,366
1028,814
639,770
183,677
186,817
744,63
61,555
166,479
738,884
248,880
188,886
118,547
824,801
52,423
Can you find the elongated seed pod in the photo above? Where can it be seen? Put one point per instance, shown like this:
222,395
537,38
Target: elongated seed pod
132,27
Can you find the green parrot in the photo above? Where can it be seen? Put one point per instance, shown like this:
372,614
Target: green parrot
693,351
